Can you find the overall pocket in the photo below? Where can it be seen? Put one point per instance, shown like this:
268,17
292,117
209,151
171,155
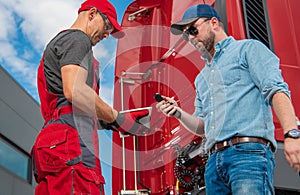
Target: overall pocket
86,181
55,146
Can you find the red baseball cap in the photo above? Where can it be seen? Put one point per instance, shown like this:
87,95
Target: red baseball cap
107,9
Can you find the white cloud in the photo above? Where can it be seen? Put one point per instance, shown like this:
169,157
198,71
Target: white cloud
8,25
9,55
38,21
105,52
106,94
44,19
100,51
106,49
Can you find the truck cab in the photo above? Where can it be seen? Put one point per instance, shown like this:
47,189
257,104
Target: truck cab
151,60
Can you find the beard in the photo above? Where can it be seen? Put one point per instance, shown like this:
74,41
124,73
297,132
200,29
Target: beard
209,43
207,46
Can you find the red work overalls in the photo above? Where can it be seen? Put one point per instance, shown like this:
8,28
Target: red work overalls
66,161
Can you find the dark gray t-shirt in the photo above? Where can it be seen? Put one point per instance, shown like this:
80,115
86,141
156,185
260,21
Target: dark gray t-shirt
67,47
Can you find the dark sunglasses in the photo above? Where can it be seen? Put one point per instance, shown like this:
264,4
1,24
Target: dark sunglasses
108,26
192,30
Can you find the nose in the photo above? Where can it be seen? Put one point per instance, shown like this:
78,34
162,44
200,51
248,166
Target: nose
191,36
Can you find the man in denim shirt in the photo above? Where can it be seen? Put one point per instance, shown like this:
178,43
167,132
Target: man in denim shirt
234,95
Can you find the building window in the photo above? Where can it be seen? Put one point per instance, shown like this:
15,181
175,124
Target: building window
15,159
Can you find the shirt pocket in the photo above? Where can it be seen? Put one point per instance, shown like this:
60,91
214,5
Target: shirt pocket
230,73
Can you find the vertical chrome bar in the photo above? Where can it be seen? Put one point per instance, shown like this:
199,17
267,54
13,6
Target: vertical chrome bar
124,163
134,162
122,137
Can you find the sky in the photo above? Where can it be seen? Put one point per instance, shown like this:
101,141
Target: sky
26,26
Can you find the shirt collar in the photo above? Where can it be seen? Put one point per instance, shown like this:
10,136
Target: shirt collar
224,43
220,46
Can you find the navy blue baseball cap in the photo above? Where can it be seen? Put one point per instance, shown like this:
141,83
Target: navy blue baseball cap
192,14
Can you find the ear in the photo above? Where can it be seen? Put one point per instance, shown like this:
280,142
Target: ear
215,22
92,13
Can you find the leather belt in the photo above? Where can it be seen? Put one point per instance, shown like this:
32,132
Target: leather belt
237,140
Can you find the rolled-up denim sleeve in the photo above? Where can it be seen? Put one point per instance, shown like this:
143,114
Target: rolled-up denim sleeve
264,68
269,91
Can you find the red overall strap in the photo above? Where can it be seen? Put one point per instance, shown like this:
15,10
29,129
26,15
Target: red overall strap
47,99
61,111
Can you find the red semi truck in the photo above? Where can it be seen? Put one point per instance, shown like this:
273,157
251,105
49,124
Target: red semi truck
150,59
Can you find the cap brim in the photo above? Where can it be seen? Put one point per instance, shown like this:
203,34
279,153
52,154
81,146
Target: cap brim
177,28
117,32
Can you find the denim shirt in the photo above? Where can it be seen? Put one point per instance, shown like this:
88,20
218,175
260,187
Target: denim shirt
234,91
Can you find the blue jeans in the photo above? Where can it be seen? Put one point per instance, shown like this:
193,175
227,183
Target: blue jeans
246,168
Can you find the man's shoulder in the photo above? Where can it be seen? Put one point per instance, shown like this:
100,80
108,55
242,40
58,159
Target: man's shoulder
71,33
69,37
248,41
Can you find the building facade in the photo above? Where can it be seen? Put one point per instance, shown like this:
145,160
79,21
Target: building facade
20,122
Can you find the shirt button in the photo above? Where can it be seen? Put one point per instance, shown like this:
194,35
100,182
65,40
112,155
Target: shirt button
212,113
212,70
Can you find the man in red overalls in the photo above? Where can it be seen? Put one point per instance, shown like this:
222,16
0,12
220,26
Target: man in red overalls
65,154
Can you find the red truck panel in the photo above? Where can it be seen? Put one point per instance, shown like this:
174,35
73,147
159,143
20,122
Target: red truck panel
284,20
148,39
138,77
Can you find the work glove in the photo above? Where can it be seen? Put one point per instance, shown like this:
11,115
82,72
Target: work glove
128,123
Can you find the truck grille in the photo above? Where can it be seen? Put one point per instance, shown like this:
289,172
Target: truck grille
257,21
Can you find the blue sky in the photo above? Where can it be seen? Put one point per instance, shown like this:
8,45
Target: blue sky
26,28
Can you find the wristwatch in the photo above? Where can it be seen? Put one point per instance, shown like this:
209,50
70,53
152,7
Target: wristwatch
293,133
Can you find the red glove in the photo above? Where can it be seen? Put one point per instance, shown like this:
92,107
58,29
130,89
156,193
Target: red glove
129,123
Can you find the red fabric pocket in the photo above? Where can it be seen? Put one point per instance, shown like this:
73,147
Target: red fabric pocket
56,145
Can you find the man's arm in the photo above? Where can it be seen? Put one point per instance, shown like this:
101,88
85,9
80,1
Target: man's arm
82,96
285,113
87,100
190,122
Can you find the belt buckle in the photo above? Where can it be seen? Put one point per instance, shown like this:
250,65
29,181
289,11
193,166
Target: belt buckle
215,147
226,144
223,145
